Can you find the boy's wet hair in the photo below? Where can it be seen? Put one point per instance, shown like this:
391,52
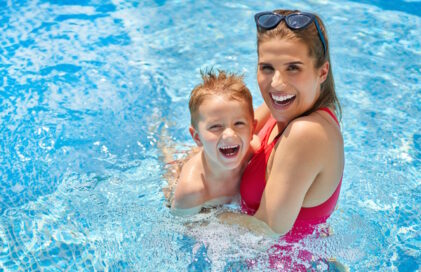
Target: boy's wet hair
219,83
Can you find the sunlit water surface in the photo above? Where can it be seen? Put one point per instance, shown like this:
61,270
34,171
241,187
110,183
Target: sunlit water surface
91,91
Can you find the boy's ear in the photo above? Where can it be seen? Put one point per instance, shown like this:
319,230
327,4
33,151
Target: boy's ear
195,136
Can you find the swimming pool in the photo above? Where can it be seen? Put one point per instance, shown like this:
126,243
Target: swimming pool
88,88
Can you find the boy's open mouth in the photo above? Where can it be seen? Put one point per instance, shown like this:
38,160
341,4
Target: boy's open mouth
229,151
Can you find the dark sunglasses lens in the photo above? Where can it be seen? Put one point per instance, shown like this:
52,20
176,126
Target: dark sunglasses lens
268,21
298,21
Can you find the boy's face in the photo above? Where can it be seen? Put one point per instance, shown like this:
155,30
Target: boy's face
224,129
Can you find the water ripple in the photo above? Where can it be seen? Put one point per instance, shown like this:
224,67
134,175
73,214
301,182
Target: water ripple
90,92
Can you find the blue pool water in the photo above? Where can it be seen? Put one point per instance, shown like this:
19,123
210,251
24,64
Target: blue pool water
90,89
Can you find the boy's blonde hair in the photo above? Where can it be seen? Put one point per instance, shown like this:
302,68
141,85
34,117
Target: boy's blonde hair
221,83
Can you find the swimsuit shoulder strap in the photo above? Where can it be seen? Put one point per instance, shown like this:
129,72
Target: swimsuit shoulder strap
326,109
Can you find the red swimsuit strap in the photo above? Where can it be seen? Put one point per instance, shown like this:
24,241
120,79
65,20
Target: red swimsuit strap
269,127
326,109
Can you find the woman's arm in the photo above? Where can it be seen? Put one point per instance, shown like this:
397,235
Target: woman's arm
297,160
250,222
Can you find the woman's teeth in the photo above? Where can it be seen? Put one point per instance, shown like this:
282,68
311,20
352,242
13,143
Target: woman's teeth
282,99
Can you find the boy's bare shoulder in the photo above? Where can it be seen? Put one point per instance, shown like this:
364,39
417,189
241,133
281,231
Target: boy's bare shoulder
190,191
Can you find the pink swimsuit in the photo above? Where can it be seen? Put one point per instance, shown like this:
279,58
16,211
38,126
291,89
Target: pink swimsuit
253,183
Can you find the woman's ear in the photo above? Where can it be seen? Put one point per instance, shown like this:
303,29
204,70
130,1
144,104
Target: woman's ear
195,136
323,72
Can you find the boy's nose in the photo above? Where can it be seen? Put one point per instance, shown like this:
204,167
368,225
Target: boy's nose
228,132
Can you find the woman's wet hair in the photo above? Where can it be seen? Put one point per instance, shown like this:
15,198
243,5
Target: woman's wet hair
310,37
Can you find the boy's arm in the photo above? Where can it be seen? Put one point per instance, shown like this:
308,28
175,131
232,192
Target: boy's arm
254,147
261,114
255,143
189,191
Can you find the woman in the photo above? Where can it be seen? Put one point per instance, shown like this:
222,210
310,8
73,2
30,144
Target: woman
292,183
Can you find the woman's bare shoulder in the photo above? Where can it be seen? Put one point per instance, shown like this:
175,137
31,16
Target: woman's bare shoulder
315,128
308,138
305,129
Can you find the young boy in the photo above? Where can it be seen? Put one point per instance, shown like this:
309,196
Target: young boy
222,125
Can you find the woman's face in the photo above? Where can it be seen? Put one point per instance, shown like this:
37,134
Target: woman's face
288,81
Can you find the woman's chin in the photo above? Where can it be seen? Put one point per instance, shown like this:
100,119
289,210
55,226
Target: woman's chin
282,107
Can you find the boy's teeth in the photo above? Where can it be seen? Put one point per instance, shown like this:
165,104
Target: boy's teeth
229,150
229,146
281,98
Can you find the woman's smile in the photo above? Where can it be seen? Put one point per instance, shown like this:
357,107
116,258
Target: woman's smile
282,101
287,78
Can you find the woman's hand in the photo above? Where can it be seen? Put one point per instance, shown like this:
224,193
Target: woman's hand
251,223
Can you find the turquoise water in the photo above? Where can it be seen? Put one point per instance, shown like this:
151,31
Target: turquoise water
89,90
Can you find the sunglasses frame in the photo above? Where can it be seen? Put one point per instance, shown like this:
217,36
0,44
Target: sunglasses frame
280,17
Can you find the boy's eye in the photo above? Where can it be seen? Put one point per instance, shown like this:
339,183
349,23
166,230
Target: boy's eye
215,127
240,123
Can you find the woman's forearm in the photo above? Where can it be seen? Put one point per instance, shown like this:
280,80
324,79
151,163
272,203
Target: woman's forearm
250,222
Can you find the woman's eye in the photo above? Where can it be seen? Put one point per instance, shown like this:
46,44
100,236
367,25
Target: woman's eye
266,68
293,67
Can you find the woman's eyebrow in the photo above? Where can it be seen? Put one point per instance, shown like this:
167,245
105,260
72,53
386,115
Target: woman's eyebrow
294,63
287,63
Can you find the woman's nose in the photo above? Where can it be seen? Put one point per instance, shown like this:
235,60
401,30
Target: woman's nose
278,81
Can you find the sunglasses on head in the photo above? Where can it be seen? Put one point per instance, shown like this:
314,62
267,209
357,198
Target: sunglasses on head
268,20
